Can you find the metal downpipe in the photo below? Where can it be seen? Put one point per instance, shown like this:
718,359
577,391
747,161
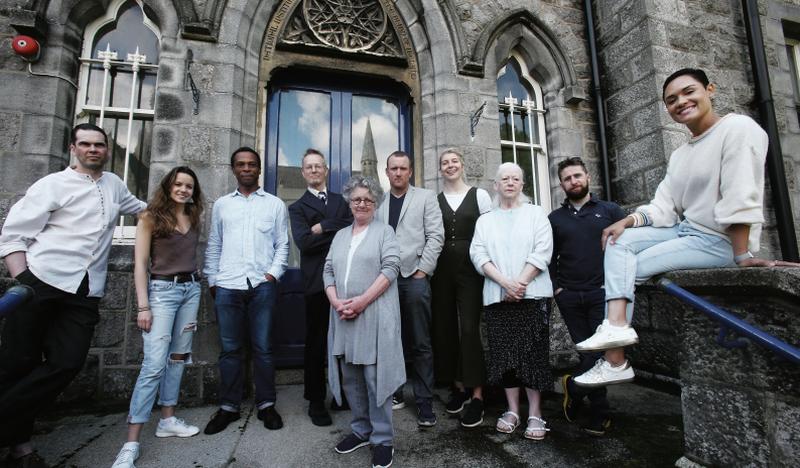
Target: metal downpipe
600,108
766,109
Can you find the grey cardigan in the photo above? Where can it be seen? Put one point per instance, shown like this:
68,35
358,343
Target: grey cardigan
374,336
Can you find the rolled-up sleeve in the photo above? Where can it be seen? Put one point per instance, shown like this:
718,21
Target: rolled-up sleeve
542,247
328,276
742,179
214,247
281,243
26,219
390,255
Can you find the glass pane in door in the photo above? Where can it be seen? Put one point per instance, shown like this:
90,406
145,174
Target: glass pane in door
375,135
304,122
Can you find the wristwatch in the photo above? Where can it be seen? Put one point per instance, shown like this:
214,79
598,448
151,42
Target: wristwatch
741,257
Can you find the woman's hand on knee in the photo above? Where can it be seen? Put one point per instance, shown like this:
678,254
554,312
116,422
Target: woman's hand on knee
612,233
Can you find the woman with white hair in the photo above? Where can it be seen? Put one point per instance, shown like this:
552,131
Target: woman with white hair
511,247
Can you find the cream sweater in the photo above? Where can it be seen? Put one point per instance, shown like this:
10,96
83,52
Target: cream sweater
715,180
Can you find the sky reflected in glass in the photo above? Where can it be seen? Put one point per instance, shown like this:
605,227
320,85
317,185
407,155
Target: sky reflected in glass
383,117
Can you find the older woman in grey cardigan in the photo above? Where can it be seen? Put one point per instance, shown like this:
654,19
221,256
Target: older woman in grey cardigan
364,335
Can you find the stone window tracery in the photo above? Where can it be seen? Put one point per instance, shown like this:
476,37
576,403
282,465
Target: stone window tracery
522,130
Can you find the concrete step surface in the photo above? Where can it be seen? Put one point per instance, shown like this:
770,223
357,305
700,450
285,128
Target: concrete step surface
647,431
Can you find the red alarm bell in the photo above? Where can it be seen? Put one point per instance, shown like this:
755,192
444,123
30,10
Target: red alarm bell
26,47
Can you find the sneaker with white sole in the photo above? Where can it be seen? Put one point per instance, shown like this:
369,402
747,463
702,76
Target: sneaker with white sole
609,336
603,373
127,455
175,427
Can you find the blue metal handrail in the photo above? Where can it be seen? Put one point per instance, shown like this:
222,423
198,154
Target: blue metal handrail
731,324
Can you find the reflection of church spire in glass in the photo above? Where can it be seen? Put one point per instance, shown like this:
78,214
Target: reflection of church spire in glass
369,160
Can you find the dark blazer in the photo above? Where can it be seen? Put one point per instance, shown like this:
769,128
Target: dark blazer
306,212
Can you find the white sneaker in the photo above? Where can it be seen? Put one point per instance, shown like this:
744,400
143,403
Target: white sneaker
126,456
603,373
609,336
174,427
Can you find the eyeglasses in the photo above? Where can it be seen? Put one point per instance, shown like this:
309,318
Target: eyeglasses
362,201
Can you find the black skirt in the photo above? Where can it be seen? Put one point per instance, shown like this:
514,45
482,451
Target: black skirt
519,343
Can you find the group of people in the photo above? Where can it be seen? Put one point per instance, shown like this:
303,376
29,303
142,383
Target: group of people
396,288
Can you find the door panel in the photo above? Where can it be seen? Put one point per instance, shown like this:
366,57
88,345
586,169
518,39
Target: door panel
356,124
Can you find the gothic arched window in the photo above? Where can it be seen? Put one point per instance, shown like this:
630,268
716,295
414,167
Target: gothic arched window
119,66
522,137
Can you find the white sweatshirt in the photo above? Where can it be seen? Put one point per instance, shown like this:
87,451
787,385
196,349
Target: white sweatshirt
715,180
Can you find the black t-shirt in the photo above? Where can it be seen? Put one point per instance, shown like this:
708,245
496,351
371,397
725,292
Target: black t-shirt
395,206
577,262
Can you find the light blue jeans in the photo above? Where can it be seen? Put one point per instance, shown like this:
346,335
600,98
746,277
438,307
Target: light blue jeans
641,253
174,307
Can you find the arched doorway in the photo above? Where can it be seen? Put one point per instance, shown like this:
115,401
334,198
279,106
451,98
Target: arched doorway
345,84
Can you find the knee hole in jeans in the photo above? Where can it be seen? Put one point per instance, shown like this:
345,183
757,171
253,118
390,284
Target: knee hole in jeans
190,327
178,358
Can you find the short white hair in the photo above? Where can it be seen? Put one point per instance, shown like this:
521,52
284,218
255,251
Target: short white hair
502,169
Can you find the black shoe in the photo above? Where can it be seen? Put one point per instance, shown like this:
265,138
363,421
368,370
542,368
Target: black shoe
382,456
220,421
31,460
272,420
457,401
319,415
345,406
350,444
597,426
570,405
473,416
425,416
398,402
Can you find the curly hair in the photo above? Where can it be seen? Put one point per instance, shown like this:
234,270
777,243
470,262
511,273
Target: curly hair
373,187
162,207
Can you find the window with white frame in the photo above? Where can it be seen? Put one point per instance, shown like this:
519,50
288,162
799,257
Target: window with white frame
522,131
119,67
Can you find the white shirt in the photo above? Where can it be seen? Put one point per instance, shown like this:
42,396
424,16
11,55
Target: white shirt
510,239
355,241
249,237
715,180
484,200
65,225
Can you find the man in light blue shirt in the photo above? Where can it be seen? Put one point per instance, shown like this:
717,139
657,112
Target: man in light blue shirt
248,247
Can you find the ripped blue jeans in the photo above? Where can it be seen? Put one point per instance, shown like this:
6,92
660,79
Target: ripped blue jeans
174,307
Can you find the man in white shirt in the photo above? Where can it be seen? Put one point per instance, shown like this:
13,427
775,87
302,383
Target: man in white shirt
415,215
248,249
56,239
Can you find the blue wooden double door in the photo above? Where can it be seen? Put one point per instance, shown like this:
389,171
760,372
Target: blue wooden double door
356,122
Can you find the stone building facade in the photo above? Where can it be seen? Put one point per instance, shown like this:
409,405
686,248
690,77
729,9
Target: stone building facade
216,75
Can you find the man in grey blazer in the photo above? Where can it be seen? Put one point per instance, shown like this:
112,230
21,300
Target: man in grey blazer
416,218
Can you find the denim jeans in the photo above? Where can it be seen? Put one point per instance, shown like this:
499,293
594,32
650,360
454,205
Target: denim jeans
243,314
370,421
174,307
641,253
415,320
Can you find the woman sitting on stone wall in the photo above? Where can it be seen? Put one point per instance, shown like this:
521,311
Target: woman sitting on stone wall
166,245
707,213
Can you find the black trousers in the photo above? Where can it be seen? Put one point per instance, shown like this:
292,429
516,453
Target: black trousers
318,311
42,348
583,311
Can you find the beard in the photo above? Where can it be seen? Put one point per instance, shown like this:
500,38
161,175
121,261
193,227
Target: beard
575,196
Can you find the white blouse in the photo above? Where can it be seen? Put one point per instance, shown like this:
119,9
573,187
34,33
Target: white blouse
510,239
484,200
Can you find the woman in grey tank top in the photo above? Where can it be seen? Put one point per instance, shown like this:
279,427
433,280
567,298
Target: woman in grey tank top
166,245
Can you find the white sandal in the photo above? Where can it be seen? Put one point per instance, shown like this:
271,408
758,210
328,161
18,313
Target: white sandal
531,432
507,427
